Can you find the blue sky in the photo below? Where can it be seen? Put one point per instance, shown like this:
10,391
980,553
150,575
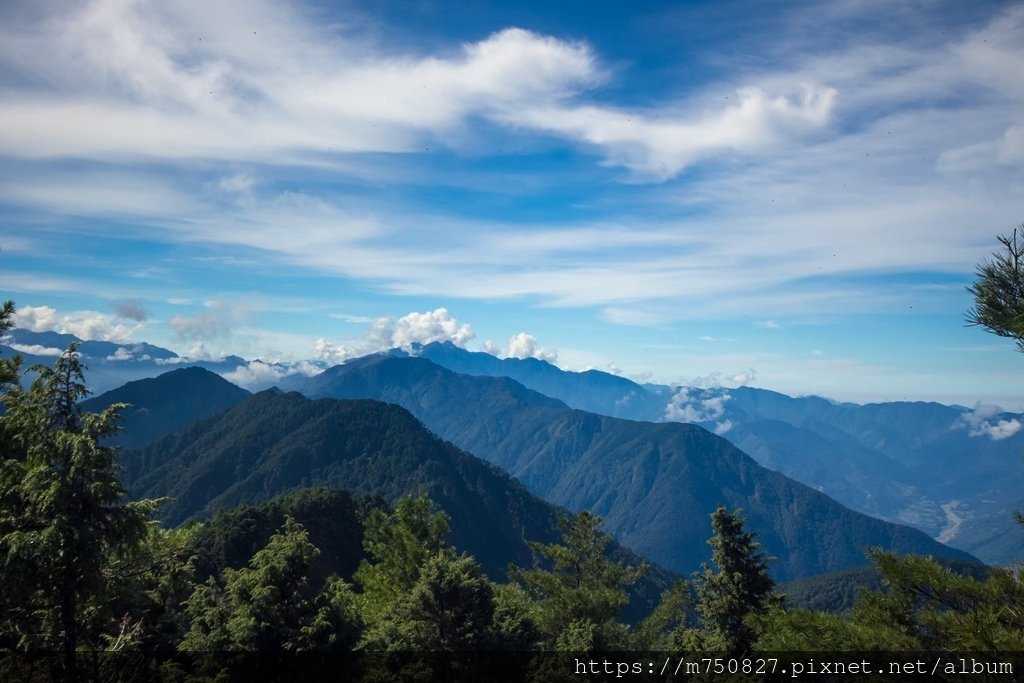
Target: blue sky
790,194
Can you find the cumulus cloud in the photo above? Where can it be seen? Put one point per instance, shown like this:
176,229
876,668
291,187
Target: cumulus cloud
259,374
988,420
130,309
87,325
387,332
704,399
691,404
327,352
427,327
523,345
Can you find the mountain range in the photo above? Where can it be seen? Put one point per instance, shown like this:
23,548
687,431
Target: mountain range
654,483
922,464
947,470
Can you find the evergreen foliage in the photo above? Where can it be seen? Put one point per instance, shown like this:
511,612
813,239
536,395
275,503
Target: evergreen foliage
737,588
63,519
998,291
922,605
84,571
399,544
577,589
271,605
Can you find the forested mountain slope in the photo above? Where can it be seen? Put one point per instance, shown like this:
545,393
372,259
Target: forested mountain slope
654,484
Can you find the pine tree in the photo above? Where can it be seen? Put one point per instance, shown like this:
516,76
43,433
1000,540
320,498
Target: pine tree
62,511
740,586
450,607
399,544
999,291
579,597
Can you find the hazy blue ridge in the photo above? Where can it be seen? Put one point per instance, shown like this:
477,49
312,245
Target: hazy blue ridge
655,484
164,404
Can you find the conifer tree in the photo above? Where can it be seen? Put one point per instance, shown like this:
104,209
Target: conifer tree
62,511
739,586
579,597
399,544
270,605
999,291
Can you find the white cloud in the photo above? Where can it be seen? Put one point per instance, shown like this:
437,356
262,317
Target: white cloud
703,399
724,426
523,345
387,332
139,82
354,319
768,324
121,354
659,146
258,374
36,349
744,378
36,318
237,184
256,80
985,420
689,404
198,351
427,327
253,373
86,325
327,352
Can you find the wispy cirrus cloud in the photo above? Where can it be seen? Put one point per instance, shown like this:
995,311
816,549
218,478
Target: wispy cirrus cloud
266,82
793,184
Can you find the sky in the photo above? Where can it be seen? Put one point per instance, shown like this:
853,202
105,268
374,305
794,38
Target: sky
793,195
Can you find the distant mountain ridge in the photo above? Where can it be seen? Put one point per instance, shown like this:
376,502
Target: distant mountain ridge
112,364
655,484
910,462
165,404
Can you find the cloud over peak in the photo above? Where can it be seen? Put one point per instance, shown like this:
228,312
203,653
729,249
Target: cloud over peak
989,420
88,325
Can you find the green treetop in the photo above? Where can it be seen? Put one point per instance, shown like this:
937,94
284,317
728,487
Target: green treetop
999,291
738,587
62,513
